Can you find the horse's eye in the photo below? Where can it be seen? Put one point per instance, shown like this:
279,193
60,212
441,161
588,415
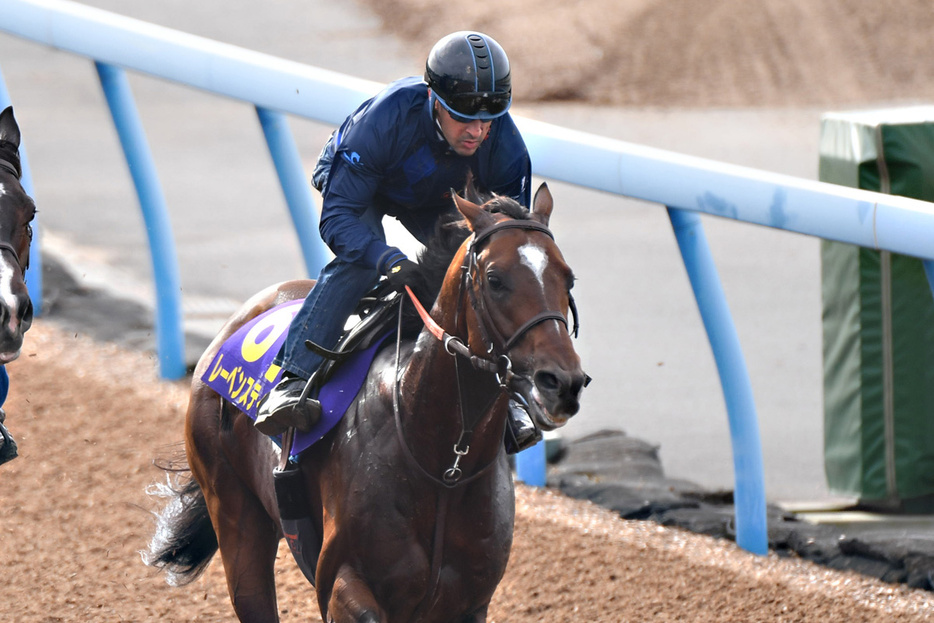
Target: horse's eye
29,230
495,282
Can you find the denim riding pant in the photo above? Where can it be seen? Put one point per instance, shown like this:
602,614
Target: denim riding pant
321,318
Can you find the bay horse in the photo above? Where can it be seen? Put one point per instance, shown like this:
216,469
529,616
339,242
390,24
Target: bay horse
17,211
411,495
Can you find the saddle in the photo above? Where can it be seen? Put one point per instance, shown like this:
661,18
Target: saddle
243,369
377,313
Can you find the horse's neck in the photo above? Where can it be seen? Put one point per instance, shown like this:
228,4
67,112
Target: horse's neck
441,396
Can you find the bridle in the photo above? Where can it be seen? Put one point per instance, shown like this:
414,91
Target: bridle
498,364
9,159
479,304
6,246
12,167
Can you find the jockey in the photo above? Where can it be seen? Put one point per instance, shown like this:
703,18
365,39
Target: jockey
400,154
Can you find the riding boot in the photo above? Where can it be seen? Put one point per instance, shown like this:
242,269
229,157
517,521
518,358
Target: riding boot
521,432
283,408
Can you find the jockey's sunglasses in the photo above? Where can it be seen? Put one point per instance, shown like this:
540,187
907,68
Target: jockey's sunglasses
467,107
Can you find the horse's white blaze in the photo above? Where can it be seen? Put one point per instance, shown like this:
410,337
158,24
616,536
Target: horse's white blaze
536,259
7,273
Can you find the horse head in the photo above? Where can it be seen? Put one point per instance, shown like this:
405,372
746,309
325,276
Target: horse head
16,213
518,291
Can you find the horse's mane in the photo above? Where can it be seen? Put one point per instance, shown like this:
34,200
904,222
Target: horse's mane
450,233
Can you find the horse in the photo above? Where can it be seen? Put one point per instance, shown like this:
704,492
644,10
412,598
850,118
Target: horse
17,211
410,496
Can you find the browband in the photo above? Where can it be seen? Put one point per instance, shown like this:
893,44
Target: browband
511,224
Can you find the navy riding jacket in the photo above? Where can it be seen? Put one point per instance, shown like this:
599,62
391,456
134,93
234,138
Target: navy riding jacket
390,155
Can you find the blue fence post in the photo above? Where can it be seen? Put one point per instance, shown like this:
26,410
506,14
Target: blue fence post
530,465
296,187
749,493
170,337
34,272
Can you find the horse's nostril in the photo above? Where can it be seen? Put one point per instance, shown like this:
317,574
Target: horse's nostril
547,382
25,312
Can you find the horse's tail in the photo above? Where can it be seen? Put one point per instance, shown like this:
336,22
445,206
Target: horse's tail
184,541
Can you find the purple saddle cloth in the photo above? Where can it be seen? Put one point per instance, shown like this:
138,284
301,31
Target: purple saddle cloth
242,371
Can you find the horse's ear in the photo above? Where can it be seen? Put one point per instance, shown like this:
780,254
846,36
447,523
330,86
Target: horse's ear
9,131
477,217
542,204
470,189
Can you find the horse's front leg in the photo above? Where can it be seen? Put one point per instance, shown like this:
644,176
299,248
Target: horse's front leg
477,617
352,601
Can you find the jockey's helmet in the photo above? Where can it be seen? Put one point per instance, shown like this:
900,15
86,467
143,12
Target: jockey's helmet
469,73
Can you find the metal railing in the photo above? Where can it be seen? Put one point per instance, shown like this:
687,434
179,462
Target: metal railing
686,185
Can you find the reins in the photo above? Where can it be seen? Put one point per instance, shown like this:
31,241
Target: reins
452,344
452,476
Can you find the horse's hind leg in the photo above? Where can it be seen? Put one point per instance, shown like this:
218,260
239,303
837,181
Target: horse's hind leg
248,545
247,536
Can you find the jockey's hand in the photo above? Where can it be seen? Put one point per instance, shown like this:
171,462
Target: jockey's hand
403,273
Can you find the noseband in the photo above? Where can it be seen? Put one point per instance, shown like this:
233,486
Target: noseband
6,246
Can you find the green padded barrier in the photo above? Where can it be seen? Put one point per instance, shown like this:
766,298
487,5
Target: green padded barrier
878,321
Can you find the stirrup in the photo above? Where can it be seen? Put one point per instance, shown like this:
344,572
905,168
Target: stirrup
288,410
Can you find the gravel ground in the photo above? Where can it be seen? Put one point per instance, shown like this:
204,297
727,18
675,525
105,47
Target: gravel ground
90,417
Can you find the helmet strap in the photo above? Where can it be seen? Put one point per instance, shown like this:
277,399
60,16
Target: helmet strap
433,101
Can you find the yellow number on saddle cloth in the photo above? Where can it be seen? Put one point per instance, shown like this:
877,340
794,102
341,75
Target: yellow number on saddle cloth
242,370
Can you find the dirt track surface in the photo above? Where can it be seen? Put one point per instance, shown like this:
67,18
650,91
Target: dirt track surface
89,418
694,53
